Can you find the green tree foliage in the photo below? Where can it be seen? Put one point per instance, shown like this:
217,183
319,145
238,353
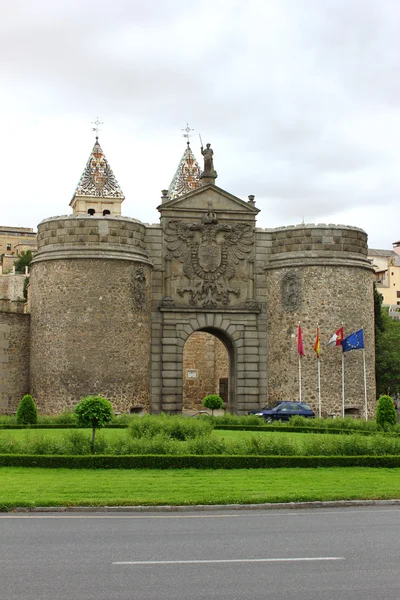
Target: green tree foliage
213,402
27,413
94,412
24,260
386,414
378,299
387,356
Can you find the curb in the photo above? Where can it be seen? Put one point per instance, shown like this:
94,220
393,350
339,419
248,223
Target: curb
206,507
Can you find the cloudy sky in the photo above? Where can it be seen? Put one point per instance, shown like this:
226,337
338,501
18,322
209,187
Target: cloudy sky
299,98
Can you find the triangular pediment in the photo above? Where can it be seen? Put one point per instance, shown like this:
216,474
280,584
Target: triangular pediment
201,198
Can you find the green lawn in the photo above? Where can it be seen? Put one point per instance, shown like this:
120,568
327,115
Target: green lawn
21,434
52,487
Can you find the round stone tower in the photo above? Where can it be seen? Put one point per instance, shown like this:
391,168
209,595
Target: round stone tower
90,291
320,274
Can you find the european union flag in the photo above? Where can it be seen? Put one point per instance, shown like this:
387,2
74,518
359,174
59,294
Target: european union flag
354,341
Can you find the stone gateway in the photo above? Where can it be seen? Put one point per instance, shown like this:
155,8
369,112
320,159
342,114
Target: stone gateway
113,303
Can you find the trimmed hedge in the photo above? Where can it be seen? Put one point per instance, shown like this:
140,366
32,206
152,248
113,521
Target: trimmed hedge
195,462
279,428
295,429
60,426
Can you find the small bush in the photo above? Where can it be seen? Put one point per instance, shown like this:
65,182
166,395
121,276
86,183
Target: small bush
213,402
174,427
27,413
95,412
65,418
386,414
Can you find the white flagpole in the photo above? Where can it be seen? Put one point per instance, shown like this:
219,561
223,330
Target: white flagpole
342,379
298,328
299,378
342,384
317,341
365,388
319,388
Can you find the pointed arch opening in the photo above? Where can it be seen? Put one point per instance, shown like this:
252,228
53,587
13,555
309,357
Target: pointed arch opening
208,368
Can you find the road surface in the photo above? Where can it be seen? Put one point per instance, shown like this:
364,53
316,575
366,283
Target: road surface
316,554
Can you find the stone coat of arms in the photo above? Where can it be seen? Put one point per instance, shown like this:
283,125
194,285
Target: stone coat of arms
209,251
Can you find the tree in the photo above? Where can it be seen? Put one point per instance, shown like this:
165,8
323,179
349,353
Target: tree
25,259
386,415
95,412
378,299
213,402
27,413
387,356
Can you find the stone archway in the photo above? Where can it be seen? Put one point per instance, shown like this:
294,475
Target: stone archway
239,331
208,368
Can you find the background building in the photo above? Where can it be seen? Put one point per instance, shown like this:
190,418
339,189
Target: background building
13,241
386,265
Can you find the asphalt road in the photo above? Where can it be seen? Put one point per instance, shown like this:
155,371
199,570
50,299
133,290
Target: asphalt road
318,554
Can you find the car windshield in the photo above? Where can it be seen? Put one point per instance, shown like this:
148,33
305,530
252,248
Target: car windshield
271,406
288,406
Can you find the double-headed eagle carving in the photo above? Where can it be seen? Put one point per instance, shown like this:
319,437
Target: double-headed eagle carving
209,252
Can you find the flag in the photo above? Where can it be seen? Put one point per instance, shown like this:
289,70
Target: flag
337,338
300,347
354,341
317,345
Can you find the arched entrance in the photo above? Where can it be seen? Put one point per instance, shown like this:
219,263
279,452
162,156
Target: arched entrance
238,331
207,368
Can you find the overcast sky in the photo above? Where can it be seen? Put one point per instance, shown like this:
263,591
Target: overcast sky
300,100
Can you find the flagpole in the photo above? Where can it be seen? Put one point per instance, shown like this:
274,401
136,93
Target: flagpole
342,384
317,348
299,378
342,376
319,388
299,361
365,387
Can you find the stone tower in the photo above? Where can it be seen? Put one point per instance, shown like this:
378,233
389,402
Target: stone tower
90,300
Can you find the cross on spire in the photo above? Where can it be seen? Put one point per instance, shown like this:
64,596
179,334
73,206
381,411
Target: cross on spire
187,133
96,127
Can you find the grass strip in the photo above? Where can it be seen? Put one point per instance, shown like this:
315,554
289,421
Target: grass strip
63,487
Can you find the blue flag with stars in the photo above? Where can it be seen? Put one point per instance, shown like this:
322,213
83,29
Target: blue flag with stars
354,341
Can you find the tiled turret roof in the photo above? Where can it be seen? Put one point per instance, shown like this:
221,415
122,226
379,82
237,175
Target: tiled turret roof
187,176
98,180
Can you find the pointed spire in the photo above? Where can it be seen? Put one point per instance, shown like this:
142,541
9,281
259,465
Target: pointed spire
98,180
187,175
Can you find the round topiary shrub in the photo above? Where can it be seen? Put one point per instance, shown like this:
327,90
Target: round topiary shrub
94,412
27,413
213,402
386,414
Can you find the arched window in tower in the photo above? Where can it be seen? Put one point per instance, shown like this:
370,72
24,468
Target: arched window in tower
91,212
106,212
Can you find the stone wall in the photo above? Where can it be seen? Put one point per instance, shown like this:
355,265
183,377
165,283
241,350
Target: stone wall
12,286
206,356
312,286
14,355
90,303
77,232
327,240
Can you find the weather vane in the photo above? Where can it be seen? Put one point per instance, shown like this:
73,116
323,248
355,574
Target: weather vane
187,131
96,127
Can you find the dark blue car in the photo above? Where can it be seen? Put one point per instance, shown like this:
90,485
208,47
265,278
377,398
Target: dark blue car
284,410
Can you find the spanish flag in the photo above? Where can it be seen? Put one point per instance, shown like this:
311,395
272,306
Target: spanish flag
317,345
